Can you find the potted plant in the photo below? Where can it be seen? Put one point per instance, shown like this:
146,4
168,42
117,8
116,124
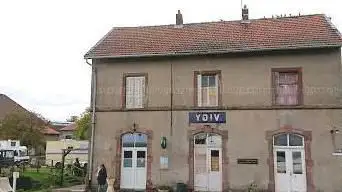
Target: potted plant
164,188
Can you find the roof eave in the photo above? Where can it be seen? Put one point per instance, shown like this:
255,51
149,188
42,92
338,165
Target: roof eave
211,52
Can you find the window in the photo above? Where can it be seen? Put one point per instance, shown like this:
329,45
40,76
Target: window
134,140
13,143
135,90
281,162
287,84
68,137
292,140
208,88
128,158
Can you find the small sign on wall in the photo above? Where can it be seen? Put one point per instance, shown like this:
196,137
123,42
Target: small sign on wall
247,161
164,162
207,117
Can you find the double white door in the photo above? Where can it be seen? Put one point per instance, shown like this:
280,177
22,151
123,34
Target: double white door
133,168
207,169
289,170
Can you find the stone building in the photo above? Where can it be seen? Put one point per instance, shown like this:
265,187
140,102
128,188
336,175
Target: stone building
251,101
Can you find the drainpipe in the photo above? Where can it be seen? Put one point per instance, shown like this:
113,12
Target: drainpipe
93,100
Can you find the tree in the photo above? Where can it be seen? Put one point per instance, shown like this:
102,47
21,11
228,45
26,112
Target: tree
26,127
83,124
72,118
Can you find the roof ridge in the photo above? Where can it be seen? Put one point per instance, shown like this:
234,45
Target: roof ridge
221,21
217,37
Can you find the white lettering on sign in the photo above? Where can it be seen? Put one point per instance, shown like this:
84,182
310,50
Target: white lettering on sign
198,117
207,117
217,116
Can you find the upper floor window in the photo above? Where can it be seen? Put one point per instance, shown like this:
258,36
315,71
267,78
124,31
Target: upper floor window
287,84
13,143
135,91
208,88
68,137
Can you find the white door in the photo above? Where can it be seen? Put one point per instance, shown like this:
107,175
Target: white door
207,162
127,169
298,171
134,162
140,168
215,169
289,164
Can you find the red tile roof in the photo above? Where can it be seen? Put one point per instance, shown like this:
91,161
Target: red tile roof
70,127
50,131
308,31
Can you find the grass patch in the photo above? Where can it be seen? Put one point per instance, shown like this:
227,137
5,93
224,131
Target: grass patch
41,176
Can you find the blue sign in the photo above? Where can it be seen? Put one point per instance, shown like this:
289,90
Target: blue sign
207,117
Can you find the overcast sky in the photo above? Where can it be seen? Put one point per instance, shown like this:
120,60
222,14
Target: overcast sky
42,42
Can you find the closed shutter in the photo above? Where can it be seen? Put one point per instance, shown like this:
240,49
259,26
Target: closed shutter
199,90
130,81
217,89
139,92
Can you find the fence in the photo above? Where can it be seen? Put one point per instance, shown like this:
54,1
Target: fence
42,172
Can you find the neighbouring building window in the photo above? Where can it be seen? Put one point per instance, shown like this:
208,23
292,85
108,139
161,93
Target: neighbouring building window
135,91
287,86
68,136
208,89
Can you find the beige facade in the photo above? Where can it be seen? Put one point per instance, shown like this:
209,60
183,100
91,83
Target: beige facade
247,100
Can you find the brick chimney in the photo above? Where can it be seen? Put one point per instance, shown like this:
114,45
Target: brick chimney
179,18
245,13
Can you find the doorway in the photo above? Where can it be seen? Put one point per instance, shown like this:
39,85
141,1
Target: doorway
289,161
133,161
207,162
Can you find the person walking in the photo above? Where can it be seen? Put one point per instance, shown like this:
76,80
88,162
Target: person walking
102,179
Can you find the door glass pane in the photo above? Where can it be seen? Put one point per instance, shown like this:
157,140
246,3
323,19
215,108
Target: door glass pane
141,158
296,140
297,162
200,139
140,140
127,159
281,162
128,140
280,140
215,157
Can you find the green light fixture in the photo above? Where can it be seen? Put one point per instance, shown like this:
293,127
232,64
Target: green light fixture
163,142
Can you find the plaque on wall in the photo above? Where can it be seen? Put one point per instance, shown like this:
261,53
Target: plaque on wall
164,162
247,161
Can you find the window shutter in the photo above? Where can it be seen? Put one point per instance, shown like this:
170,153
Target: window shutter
276,87
139,91
217,88
199,90
129,92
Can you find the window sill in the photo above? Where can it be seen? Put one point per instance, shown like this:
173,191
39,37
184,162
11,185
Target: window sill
337,154
297,105
135,109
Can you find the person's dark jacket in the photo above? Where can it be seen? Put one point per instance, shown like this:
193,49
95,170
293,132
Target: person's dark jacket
102,177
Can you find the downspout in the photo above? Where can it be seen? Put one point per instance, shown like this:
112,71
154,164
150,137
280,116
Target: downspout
93,103
171,102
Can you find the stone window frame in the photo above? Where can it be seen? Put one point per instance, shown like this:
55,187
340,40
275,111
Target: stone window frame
225,159
307,135
118,137
123,94
219,76
297,70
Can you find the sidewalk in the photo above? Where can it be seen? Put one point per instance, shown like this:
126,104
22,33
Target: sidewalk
76,188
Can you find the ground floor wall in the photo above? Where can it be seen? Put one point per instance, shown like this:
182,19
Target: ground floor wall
247,135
